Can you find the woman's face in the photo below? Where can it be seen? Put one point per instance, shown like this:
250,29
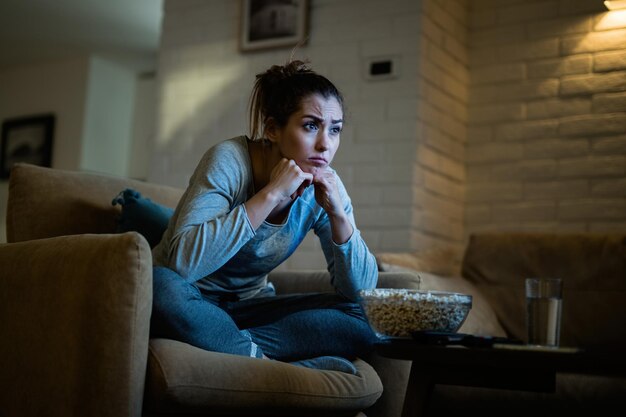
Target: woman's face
311,135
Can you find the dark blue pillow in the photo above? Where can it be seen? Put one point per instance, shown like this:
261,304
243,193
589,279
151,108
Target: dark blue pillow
142,215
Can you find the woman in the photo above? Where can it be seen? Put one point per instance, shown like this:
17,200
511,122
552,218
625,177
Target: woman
249,204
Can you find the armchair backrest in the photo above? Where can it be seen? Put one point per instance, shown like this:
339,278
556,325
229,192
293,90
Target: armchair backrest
46,202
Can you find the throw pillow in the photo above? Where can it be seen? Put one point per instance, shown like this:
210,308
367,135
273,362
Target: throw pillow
142,215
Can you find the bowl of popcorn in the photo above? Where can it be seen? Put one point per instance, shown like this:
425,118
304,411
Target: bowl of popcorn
393,312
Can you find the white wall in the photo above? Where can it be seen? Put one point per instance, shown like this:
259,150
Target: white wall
108,123
144,126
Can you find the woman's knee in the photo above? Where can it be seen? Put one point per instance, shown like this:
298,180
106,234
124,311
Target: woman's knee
170,290
166,279
348,327
361,326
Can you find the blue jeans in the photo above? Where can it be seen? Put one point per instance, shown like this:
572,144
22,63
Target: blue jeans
283,327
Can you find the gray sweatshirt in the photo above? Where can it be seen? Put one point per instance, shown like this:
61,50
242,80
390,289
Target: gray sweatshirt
211,242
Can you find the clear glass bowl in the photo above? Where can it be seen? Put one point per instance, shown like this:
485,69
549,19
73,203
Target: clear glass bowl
395,312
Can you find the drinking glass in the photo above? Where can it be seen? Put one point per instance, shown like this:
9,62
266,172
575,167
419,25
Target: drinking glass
543,311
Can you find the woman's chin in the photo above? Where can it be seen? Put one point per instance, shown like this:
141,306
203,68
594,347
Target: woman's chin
312,169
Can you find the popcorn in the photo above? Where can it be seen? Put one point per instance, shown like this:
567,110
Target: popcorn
399,312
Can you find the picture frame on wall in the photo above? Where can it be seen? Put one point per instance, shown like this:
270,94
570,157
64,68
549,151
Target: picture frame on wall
269,24
26,139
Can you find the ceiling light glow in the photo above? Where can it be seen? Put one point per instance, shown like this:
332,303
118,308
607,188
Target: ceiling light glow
615,4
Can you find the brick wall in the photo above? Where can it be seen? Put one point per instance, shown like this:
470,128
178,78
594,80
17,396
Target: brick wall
546,144
401,156
443,78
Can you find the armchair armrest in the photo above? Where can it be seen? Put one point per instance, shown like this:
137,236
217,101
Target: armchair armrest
287,282
75,316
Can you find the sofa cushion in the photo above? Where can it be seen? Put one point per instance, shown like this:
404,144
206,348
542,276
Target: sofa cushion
184,379
142,215
592,267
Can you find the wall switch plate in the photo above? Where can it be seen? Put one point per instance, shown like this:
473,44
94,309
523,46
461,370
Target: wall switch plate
382,67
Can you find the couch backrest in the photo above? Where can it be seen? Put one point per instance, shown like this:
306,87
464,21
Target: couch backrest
46,202
592,267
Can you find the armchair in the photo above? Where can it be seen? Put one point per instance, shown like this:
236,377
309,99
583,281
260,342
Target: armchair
75,305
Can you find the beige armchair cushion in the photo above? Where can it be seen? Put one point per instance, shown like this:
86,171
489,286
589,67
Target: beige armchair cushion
184,378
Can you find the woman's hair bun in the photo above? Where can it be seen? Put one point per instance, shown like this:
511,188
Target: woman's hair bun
280,72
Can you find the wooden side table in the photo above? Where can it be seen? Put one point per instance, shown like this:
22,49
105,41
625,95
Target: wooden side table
514,367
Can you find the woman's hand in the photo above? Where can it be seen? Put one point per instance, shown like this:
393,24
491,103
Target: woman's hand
288,180
327,196
327,193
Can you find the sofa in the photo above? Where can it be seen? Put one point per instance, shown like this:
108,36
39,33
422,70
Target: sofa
75,305
75,302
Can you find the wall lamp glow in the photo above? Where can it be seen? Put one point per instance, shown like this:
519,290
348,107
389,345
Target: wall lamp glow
615,4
